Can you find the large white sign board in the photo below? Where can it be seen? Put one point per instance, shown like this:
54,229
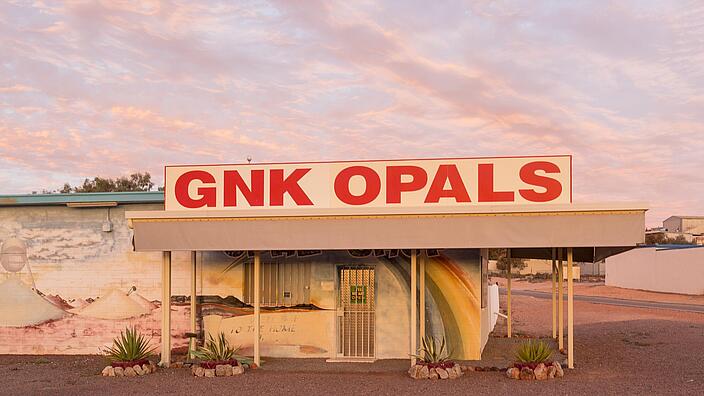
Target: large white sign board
373,185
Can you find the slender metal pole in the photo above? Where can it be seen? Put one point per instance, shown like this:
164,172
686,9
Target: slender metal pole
560,301
423,259
508,293
257,304
554,297
356,311
192,341
570,311
166,310
414,302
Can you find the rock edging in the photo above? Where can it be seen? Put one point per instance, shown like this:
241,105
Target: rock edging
134,371
221,370
421,371
540,373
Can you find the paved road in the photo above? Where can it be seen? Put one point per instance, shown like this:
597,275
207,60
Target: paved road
615,301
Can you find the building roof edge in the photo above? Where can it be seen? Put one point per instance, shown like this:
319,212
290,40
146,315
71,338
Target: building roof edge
124,197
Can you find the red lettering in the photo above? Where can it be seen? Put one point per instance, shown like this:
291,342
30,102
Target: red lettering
372,184
280,186
254,194
457,190
394,185
485,183
208,197
553,187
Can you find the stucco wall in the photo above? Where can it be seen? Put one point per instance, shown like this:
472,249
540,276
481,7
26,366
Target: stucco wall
452,308
686,225
85,275
670,271
693,226
489,313
73,262
673,224
392,315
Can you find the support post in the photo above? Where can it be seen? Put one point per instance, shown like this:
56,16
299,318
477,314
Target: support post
166,309
560,302
257,303
508,294
192,340
414,303
570,311
423,260
554,297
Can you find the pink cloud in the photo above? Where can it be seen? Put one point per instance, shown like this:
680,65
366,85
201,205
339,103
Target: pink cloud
112,87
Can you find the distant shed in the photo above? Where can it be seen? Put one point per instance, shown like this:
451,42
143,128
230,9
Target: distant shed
661,268
684,224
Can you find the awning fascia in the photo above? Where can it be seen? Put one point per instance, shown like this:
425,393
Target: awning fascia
165,231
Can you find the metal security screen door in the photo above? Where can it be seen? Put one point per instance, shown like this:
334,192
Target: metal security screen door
355,312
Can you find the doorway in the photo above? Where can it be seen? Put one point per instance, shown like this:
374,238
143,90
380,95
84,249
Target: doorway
355,312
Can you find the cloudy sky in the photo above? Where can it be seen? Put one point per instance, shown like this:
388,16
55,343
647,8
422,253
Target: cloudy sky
120,86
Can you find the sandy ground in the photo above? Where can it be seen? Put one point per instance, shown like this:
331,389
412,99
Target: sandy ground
586,288
618,350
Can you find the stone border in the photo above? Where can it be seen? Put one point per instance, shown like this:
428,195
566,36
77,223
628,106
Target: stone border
421,371
221,370
134,371
541,372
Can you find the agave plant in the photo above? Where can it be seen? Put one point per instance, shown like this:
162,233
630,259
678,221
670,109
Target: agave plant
533,352
130,346
218,351
432,353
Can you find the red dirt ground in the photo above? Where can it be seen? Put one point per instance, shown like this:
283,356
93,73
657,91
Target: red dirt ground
618,350
586,288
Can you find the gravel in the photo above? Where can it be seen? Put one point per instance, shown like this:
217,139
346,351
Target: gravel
619,350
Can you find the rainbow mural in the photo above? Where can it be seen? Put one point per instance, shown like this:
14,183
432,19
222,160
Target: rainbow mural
458,302
453,298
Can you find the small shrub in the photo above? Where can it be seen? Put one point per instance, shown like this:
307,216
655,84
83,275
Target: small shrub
432,354
533,353
130,346
216,351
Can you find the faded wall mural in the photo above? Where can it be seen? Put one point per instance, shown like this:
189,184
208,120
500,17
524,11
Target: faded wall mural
80,286
85,285
303,294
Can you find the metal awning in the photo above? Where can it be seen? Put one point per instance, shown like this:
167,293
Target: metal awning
526,231
571,225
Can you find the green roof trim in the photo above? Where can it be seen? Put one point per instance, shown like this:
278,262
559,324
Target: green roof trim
131,197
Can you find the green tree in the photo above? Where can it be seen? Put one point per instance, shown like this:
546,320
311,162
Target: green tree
502,261
659,238
134,182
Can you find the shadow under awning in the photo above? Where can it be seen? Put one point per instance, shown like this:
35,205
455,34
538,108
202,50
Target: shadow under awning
580,254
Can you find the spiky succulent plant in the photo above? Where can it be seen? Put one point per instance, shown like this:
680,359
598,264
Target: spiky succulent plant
216,350
433,353
533,352
130,346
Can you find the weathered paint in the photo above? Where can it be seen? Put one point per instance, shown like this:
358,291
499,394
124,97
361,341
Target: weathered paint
73,263
86,273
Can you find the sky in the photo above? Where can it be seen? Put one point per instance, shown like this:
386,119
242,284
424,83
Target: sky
110,88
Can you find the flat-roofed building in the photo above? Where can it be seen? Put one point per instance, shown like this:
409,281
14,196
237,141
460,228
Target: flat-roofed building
339,260
684,224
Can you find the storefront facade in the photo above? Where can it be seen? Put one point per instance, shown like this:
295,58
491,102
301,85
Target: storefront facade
340,260
347,304
391,251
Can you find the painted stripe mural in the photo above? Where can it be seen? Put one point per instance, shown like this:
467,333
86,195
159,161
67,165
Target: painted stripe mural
458,302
